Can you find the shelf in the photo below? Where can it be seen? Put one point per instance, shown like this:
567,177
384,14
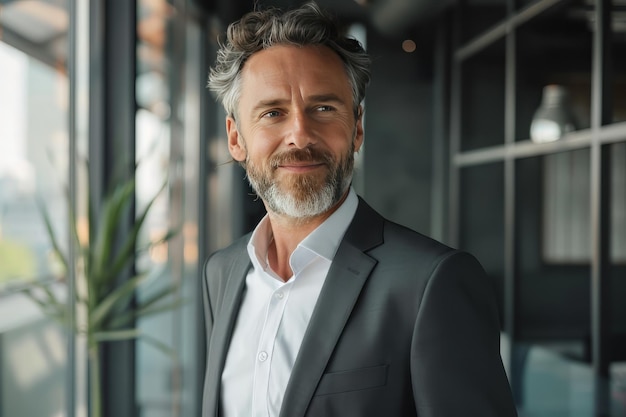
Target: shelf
547,214
576,140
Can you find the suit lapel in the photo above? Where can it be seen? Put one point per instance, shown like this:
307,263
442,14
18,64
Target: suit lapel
222,332
349,271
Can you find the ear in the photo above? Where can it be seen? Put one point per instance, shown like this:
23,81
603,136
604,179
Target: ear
236,145
358,137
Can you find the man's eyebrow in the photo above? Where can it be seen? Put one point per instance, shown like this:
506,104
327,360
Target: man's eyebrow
264,104
317,98
330,97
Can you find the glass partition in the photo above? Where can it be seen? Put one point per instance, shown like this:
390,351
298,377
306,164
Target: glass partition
34,168
170,84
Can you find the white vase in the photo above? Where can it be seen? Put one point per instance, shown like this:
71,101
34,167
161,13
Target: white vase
553,118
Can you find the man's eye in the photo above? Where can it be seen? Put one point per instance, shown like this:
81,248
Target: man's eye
271,113
325,108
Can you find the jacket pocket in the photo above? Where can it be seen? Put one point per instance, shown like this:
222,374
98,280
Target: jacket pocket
352,380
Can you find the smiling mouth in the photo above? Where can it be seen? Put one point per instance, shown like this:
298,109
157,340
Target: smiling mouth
301,160
301,167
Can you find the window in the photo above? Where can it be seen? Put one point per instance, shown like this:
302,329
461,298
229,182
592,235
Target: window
34,169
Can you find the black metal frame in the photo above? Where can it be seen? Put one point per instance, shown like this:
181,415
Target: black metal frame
441,107
601,111
70,397
597,139
208,128
112,108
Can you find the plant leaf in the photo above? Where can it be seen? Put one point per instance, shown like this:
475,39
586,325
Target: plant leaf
148,307
161,346
160,308
116,335
116,298
48,303
122,320
158,296
107,230
168,236
52,234
128,250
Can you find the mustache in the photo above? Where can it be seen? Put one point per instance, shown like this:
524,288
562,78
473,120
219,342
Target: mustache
308,154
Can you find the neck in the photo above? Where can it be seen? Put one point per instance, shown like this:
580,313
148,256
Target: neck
288,232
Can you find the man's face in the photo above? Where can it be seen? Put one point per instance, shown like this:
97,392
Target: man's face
296,132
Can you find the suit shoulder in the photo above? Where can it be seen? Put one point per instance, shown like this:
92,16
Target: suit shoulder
372,232
397,237
232,251
437,265
219,263
222,267
404,246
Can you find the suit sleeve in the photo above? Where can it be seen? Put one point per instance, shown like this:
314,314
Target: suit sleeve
455,358
208,311
208,321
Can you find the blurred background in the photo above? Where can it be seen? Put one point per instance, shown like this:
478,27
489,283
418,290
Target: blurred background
496,126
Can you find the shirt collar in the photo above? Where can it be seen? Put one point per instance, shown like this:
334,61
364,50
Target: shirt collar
323,241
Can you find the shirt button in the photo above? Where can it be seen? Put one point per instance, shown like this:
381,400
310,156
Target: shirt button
263,356
280,295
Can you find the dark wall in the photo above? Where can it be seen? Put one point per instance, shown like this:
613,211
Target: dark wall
399,130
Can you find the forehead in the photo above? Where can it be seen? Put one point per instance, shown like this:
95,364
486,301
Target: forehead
301,68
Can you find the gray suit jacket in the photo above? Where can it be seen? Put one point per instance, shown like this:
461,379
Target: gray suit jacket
404,326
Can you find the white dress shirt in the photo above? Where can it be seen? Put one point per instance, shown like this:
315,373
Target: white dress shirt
274,315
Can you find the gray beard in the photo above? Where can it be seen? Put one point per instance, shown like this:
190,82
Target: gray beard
312,205
306,198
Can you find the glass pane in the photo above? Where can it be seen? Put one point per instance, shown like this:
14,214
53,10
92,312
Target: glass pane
552,353
482,220
618,280
618,203
34,166
552,383
566,189
33,362
483,100
618,389
479,16
553,245
554,53
619,60
167,383
190,326
157,374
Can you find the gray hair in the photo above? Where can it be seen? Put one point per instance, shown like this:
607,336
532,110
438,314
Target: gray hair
304,26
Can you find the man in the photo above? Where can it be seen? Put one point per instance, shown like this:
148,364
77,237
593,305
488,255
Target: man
327,309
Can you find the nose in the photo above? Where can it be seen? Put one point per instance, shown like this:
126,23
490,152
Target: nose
302,132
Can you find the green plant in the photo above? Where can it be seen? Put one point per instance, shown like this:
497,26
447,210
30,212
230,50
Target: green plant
104,296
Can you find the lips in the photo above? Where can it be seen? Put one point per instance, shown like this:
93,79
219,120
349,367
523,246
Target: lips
301,159
301,168
301,164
